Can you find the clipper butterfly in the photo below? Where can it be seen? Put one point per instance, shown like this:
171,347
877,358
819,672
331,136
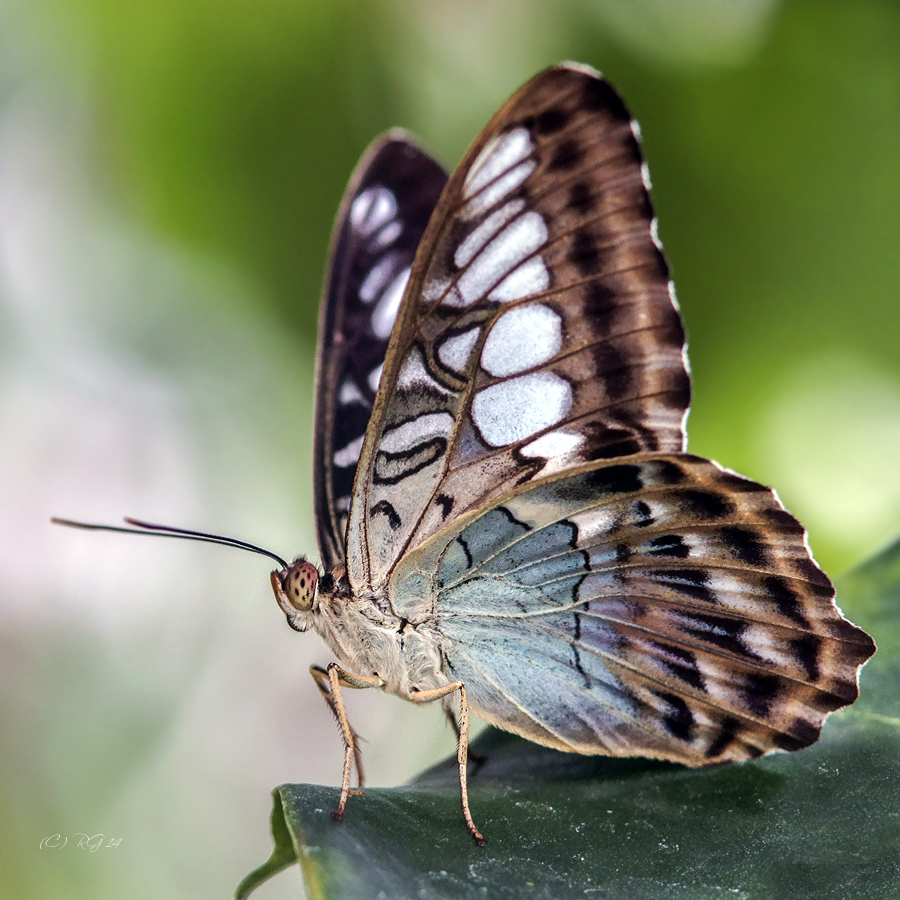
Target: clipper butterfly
508,519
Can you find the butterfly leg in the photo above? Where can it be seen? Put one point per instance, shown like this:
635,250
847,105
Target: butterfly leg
462,745
329,682
477,759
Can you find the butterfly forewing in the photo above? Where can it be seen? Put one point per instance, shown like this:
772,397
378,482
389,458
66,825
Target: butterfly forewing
381,222
538,331
653,605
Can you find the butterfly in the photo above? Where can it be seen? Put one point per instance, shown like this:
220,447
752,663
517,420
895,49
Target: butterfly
508,520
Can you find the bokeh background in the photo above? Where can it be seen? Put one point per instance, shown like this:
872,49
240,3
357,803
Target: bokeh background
169,171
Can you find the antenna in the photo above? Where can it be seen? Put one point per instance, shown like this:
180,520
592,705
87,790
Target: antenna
148,529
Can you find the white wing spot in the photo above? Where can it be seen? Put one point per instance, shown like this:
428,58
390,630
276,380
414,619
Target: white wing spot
654,233
434,289
374,207
498,189
554,443
455,351
349,456
500,154
415,432
500,257
385,313
522,338
349,393
636,130
530,278
415,376
452,298
513,410
374,282
387,235
645,175
468,249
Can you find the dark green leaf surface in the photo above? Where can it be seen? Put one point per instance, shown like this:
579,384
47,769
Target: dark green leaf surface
822,823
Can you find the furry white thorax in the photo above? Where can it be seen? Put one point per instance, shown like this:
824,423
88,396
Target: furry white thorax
368,639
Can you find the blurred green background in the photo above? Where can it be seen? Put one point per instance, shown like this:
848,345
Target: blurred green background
169,171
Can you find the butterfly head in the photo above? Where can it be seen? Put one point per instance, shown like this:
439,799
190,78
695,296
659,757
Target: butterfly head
296,589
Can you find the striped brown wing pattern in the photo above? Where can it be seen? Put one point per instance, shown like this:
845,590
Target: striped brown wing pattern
383,216
539,330
647,606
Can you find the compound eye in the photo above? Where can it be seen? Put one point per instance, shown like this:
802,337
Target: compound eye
300,586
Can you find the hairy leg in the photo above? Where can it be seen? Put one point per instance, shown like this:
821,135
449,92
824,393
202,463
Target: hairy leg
462,745
329,682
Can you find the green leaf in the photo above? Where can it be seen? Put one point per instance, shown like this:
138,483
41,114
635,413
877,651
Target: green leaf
821,823
283,855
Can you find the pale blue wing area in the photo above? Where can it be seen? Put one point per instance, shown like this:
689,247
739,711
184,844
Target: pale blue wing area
655,605
521,676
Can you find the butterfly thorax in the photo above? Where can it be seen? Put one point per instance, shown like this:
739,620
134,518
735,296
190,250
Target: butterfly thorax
360,629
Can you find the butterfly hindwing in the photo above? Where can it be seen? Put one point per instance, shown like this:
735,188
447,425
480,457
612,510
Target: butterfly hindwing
538,331
380,224
653,605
